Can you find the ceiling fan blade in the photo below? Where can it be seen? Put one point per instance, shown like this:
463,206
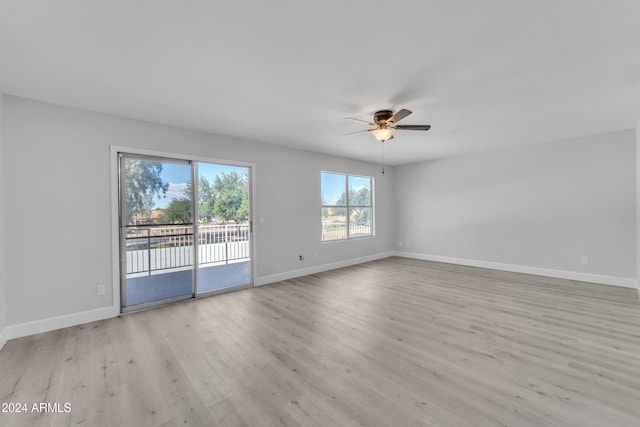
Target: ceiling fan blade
412,127
358,131
359,120
398,116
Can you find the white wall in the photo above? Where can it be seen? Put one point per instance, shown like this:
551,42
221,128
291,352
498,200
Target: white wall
3,292
638,206
59,215
542,206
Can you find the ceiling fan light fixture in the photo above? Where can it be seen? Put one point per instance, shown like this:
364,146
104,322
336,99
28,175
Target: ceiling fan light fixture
382,134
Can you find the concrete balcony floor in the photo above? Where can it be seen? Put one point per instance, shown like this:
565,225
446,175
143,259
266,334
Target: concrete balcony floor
174,283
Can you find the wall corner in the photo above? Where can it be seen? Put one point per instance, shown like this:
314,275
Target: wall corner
638,208
4,306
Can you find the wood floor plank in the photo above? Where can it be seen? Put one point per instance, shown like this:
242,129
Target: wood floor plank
397,341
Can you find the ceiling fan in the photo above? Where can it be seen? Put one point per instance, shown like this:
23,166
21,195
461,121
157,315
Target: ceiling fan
385,123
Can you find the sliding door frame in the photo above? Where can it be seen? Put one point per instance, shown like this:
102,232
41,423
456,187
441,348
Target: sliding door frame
123,156
115,152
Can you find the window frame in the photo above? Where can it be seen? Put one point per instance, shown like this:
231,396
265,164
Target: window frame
348,207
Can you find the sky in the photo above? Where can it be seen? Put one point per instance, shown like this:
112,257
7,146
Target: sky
179,176
333,185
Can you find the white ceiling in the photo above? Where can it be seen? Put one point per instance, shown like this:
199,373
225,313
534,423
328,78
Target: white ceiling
485,74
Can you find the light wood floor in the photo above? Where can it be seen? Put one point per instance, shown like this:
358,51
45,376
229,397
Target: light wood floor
395,342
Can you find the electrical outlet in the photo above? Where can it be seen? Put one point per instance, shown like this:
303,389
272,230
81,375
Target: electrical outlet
301,257
101,289
584,259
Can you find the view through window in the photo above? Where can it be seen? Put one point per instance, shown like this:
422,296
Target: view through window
347,206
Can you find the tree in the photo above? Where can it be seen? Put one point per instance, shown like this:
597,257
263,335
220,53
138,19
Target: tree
359,197
143,183
178,212
206,197
242,214
325,211
231,192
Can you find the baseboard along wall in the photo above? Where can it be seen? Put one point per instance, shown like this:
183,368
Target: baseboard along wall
58,322
3,337
539,271
52,323
272,278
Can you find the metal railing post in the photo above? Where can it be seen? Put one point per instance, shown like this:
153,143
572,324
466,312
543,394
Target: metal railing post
149,249
226,244
170,251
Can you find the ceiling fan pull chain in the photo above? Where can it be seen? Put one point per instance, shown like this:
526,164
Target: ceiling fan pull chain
382,157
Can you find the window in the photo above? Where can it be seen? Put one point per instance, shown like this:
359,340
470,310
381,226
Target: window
347,206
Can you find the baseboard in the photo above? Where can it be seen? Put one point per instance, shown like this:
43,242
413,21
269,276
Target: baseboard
3,337
559,274
272,278
53,323
58,322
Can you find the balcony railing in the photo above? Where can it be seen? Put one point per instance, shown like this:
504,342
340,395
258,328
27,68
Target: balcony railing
154,248
337,230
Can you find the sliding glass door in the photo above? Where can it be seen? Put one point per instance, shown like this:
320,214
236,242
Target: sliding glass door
180,240
224,228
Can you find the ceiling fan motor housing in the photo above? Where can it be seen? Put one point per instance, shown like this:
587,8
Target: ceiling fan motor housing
381,117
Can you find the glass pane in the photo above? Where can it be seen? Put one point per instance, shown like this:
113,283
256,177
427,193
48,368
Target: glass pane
158,236
360,222
359,191
224,256
334,224
157,192
333,188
